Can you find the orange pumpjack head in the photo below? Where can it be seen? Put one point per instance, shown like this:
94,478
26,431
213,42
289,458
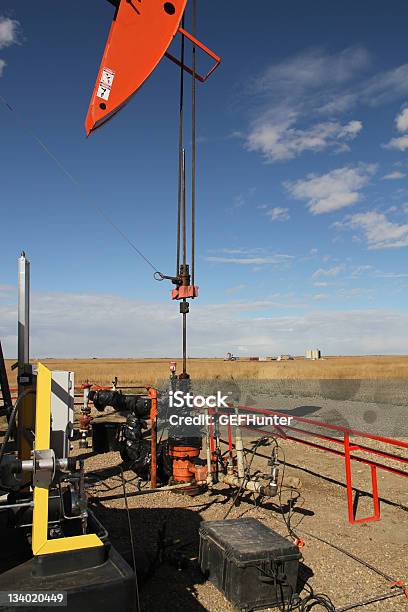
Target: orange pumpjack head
141,33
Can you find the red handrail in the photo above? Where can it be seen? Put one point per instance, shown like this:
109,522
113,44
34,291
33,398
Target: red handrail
285,431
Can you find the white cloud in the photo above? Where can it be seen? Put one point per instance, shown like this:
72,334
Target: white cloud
319,297
332,191
394,176
392,275
279,140
312,69
248,256
382,88
335,271
400,143
361,270
235,289
246,261
355,292
351,129
402,120
278,214
379,232
9,35
8,32
7,293
290,98
65,324
242,199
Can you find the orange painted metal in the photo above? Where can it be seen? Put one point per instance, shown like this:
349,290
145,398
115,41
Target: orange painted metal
182,471
141,33
184,291
181,452
183,466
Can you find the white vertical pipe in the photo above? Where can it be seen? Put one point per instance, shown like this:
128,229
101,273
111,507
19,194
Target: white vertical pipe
239,449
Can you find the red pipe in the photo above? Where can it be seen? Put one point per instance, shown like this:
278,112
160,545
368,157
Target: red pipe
153,437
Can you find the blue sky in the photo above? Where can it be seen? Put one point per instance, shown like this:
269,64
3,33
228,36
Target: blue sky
302,183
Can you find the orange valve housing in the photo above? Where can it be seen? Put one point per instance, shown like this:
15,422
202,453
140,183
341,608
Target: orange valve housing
183,466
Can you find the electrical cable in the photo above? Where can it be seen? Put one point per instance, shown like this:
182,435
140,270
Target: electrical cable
368,601
294,602
131,540
351,555
78,186
313,599
287,520
108,489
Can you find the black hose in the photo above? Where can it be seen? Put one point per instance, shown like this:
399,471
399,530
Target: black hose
12,421
10,428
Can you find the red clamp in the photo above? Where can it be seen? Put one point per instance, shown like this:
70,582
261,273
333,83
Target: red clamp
299,543
184,292
402,585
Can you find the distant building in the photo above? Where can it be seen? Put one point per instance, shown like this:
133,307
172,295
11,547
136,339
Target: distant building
284,358
313,354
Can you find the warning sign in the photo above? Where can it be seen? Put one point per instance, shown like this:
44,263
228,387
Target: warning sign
103,92
107,77
105,84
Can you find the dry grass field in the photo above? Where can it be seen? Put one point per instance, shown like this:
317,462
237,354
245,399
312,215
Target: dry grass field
150,371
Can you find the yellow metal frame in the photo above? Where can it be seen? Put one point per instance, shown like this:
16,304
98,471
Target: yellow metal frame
40,543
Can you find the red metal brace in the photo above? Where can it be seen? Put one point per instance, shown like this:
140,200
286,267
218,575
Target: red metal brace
200,45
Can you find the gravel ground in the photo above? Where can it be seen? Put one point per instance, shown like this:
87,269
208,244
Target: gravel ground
321,510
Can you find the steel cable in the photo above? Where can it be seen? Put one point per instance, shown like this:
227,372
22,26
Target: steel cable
77,184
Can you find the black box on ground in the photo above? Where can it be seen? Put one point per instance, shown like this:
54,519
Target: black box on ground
252,565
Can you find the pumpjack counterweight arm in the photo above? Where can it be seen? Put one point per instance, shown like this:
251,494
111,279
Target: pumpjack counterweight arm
141,33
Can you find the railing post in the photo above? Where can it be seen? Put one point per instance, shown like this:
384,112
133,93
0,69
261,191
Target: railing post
376,501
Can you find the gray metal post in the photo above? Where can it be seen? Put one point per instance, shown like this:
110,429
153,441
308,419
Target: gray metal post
23,311
26,415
